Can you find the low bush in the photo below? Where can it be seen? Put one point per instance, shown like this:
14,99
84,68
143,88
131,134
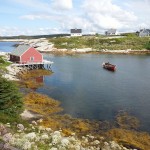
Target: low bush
3,65
147,45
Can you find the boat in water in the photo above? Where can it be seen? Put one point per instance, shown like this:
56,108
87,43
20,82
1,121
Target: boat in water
109,66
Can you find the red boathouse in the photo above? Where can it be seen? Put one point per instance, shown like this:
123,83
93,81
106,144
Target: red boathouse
25,54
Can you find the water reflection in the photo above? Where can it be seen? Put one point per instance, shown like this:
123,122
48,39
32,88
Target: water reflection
37,82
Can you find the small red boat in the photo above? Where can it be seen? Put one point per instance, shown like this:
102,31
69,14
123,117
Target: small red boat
109,66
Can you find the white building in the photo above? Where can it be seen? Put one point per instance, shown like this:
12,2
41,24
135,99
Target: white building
111,32
144,32
76,32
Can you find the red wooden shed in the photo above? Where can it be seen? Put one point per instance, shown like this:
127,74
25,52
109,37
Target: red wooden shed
25,54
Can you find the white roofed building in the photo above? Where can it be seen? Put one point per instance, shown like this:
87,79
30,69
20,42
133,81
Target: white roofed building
76,32
111,32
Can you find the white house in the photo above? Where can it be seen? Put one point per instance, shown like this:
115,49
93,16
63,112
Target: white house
111,32
144,32
76,32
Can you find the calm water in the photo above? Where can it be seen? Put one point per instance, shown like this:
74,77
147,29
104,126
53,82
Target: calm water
86,90
7,46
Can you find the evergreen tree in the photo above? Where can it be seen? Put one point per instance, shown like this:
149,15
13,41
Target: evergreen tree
10,98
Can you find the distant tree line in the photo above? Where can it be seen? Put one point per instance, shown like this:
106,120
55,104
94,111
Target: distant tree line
33,36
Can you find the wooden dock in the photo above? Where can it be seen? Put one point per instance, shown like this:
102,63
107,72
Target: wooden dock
45,64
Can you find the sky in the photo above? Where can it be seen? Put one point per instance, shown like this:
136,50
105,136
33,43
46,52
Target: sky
40,17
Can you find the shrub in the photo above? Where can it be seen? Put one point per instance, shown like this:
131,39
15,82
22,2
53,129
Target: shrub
147,45
2,61
3,65
10,98
129,41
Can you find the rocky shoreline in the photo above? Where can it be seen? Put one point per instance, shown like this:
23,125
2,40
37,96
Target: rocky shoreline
37,137
43,45
11,70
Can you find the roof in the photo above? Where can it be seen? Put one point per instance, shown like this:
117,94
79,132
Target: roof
20,50
111,31
76,30
145,30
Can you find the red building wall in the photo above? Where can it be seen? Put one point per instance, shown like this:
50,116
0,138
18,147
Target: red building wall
31,55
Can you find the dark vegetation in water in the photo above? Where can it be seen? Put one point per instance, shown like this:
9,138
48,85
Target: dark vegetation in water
126,121
16,45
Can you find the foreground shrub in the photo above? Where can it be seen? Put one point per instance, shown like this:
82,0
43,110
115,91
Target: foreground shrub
3,65
10,98
147,46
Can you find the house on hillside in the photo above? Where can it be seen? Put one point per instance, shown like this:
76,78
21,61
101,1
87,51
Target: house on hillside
144,32
111,32
25,54
76,32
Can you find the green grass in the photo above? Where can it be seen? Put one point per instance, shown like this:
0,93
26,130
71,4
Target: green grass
147,45
4,118
3,65
99,42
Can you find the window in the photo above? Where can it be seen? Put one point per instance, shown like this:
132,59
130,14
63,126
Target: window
31,58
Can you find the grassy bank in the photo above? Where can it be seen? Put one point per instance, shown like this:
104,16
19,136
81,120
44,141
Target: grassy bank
3,64
100,42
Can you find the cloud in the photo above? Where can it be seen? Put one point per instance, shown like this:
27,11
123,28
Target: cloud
141,9
104,14
62,4
9,31
36,16
90,15
98,16
12,31
45,31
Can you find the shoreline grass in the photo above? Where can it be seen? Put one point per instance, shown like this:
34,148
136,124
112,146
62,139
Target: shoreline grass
99,43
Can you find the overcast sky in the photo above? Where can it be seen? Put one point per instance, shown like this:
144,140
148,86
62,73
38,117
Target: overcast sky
35,17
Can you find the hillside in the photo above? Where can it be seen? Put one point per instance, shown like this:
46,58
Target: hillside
101,42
